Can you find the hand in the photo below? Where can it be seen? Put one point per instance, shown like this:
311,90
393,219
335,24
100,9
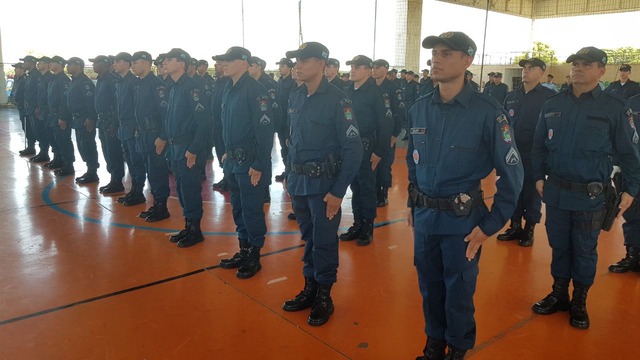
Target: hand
408,217
333,205
224,158
375,160
191,159
284,185
393,141
625,202
90,125
540,186
62,124
475,240
255,176
160,144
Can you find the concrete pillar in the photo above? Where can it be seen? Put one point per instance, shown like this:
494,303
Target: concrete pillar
3,83
408,28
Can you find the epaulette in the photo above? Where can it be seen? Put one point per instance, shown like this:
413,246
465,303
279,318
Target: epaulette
491,100
618,98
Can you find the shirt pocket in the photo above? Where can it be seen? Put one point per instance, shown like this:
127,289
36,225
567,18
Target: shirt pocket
596,136
464,159
419,138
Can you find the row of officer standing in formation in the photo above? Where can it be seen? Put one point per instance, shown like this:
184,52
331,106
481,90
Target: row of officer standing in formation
335,135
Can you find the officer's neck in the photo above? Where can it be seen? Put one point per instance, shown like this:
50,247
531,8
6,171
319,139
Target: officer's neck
236,77
359,83
450,89
579,89
379,81
177,75
313,84
529,86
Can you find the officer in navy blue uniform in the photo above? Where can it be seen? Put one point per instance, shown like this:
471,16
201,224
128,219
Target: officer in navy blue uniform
81,106
216,115
125,87
41,127
107,124
17,97
150,100
523,106
187,126
324,157
457,137
631,226
398,112
497,89
578,133
30,102
162,73
286,85
31,107
488,84
247,129
624,87
372,108
332,71
57,102
469,76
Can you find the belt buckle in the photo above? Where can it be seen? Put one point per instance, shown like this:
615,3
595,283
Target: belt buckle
594,189
461,204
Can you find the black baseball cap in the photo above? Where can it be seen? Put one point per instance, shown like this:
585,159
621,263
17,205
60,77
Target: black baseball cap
533,62
178,54
456,40
203,62
498,74
75,61
333,62
193,62
589,54
102,59
159,59
256,60
18,65
403,71
44,59
491,74
359,60
381,62
30,58
123,56
625,67
395,71
234,53
141,55
308,50
58,60
285,61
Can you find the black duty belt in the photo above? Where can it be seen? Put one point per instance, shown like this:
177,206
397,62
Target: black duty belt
148,124
593,189
237,154
178,140
461,203
313,169
75,116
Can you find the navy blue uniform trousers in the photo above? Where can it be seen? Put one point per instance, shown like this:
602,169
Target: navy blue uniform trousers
247,202
363,187
112,152
529,203
631,228
188,185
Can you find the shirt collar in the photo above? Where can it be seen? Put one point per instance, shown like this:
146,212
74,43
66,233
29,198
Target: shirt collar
463,97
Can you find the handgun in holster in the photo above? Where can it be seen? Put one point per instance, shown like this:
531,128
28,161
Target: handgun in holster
612,198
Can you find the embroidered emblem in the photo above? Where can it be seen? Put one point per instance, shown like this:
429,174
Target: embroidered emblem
348,113
264,120
263,105
502,119
352,132
511,112
195,95
512,157
506,133
199,107
416,157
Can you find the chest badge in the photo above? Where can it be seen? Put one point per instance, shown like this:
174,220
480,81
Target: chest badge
416,156
550,134
511,112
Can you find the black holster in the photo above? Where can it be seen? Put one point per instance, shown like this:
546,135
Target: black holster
612,198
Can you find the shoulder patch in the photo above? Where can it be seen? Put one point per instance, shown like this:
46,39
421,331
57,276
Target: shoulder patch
345,101
512,157
264,120
506,133
161,91
195,95
502,119
348,113
352,132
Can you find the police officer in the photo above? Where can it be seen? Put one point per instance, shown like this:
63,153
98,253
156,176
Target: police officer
446,160
34,66
285,86
105,103
523,106
57,102
469,77
372,107
489,83
578,132
498,90
324,134
397,108
247,129
187,126
150,108
125,83
624,87
30,102
81,106
631,226
199,69
216,114
162,73
193,66
17,97
41,127
410,89
332,71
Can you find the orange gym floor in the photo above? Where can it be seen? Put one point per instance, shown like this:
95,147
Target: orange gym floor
82,277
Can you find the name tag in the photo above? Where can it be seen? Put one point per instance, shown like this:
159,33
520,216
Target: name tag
552,115
418,131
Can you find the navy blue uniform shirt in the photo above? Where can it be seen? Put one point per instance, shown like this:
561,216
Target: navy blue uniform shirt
105,100
575,140
524,110
286,86
499,92
17,92
57,95
43,85
397,104
340,84
320,125
80,99
31,92
454,145
124,104
151,102
272,86
372,108
247,123
629,89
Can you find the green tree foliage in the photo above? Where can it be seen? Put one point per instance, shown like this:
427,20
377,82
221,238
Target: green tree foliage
623,55
541,51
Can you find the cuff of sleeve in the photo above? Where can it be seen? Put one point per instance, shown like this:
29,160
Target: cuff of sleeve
489,227
339,189
193,148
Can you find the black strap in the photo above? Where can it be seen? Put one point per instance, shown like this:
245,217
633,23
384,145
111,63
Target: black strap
568,185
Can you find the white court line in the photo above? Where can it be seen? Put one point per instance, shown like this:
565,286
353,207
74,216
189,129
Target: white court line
223,254
392,247
277,280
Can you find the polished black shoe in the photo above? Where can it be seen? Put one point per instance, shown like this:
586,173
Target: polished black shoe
40,158
144,214
353,232
251,266
236,260
557,300
182,234
65,171
526,237
28,151
112,189
221,186
54,164
191,239
87,178
631,262
305,298
366,233
382,197
126,197
159,213
135,199
578,316
433,350
292,216
323,306
514,232
280,178
455,353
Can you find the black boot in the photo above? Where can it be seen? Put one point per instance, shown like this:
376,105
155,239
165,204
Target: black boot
251,266
66,170
366,233
381,200
526,238
128,195
136,197
578,317
353,232
305,298
112,188
160,212
513,232
29,150
54,164
238,258
182,234
89,177
630,262
558,300
148,212
194,235
433,350
455,353
323,306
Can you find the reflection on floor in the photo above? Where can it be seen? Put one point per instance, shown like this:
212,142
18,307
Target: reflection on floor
82,277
